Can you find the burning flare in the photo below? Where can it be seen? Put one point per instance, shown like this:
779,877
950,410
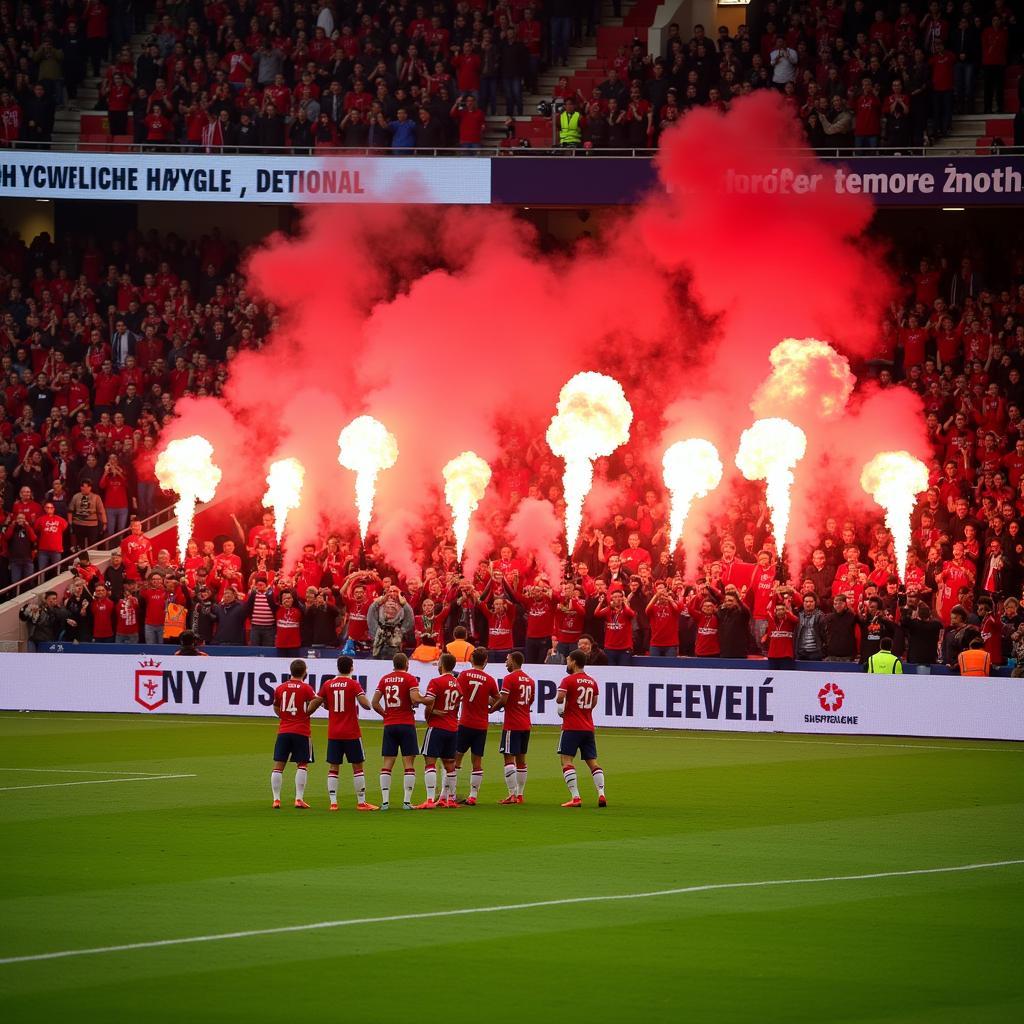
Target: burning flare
465,479
186,467
366,447
284,491
593,419
807,374
894,479
691,469
769,449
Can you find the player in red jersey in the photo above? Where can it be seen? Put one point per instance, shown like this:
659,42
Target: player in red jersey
576,699
479,697
442,713
395,701
517,693
294,702
343,697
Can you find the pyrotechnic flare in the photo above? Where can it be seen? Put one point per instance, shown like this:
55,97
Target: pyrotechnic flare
593,419
366,447
808,375
769,449
284,491
691,469
186,467
465,479
894,479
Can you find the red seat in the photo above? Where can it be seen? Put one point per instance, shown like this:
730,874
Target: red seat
999,126
983,146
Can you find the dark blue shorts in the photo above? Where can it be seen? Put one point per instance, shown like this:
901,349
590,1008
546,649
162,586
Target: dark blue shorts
399,738
515,741
290,746
439,743
572,740
345,750
471,739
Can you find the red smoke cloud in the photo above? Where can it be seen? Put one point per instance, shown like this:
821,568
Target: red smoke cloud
453,328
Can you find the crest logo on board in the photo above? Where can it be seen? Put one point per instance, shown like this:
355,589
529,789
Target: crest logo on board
149,685
830,697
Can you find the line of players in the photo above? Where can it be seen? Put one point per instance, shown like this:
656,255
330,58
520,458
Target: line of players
456,713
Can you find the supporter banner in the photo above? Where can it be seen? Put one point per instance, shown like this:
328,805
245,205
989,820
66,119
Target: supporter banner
662,698
245,179
889,181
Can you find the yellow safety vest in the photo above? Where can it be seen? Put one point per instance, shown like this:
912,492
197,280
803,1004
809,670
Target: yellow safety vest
885,663
569,127
975,663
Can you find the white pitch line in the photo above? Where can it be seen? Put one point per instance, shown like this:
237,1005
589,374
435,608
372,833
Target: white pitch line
502,908
93,782
78,771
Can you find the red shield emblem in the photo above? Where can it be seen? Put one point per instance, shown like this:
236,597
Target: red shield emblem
830,697
149,685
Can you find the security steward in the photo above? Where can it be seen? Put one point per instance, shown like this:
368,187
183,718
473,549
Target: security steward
570,124
975,661
883,662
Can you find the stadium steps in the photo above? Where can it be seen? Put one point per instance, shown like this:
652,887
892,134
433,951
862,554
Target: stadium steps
587,67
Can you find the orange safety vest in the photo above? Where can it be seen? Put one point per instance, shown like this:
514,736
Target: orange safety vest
175,617
462,649
975,663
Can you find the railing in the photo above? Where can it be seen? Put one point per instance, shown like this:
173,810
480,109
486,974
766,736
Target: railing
968,148
101,547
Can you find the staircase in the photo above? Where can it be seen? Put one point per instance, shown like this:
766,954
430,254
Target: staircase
588,65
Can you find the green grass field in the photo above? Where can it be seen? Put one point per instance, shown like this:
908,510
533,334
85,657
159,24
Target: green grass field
115,863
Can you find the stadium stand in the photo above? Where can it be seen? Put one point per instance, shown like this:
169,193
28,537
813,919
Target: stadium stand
99,341
239,77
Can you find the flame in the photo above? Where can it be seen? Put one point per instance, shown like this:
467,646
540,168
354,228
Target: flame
186,467
691,469
769,449
593,419
284,491
894,479
366,447
465,479
807,375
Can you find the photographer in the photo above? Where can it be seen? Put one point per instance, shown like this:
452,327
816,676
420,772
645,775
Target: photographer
874,625
45,618
922,631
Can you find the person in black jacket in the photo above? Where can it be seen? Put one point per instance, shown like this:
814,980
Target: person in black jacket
922,631
874,625
270,129
595,656
733,626
45,618
840,631
38,116
230,617
429,133
321,619
513,62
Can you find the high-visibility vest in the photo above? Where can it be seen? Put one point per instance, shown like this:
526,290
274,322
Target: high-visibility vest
460,649
975,662
885,663
175,616
569,127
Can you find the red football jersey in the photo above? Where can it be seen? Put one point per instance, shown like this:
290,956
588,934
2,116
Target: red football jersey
292,697
394,688
580,700
521,690
540,616
102,618
341,698
664,619
477,689
569,625
447,697
618,627
128,616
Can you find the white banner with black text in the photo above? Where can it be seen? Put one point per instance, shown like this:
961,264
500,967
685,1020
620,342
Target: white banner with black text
749,700
245,179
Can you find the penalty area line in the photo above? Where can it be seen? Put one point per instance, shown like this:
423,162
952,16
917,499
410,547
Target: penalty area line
94,782
499,909
81,771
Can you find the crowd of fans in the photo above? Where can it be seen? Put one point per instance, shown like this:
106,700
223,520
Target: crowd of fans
98,342
315,75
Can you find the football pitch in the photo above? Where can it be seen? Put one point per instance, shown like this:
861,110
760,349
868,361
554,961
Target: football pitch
732,878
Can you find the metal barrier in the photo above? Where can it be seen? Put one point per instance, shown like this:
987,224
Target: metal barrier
188,149
103,546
